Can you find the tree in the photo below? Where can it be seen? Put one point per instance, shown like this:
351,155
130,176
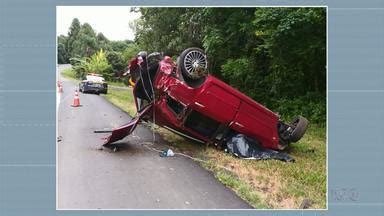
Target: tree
80,48
296,42
115,59
62,53
274,55
72,35
120,46
168,29
86,42
131,51
103,42
97,63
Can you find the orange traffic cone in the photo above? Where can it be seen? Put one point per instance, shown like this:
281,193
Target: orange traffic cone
59,87
76,100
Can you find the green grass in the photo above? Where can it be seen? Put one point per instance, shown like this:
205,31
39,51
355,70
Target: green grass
263,184
241,188
122,99
69,73
282,185
118,84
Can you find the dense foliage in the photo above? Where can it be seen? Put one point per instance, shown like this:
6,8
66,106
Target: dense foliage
89,51
275,55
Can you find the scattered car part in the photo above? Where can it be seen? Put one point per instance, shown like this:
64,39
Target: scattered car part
124,130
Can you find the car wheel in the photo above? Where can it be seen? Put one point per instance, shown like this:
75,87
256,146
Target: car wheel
300,125
193,63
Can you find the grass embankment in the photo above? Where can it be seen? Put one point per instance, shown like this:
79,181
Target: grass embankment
69,74
279,184
264,184
122,99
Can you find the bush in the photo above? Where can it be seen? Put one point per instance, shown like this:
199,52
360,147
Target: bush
97,63
78,65
239,74
116,60
312,106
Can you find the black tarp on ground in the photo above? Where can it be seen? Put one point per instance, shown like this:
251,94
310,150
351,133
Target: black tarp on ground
248,148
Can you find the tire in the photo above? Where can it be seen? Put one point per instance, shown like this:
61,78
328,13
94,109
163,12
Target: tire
300,125
193,63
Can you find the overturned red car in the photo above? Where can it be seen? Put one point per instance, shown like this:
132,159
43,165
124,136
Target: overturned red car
182,97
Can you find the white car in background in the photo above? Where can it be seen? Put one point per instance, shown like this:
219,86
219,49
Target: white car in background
94,83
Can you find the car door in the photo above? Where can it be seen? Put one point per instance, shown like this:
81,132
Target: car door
217,103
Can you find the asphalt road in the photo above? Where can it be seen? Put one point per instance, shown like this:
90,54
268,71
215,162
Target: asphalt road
133,178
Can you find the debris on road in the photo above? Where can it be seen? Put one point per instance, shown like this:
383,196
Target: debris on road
167,153
59,138
105,130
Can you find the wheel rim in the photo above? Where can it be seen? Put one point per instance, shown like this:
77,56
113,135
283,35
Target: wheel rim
195,62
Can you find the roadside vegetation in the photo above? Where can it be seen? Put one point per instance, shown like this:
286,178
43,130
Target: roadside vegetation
69,74
274,55
277,56
122,99
91,52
